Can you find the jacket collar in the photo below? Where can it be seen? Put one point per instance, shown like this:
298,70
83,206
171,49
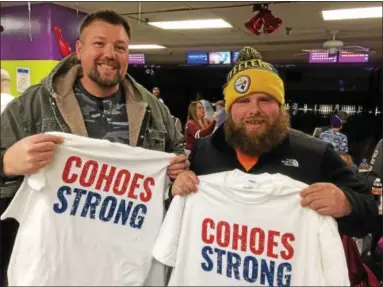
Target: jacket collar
60,84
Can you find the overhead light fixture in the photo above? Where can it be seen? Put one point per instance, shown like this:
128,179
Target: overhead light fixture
352,13
146,47
192,24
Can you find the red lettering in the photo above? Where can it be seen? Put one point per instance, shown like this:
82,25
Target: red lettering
209,239
107,177
271,243
242,237
149,181
289,253
223,234
67,169
91,166
125,175
257,241
134,185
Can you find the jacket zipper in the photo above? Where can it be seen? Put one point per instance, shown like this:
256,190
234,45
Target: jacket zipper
54,107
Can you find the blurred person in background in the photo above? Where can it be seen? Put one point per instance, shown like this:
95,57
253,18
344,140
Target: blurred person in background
220,113
209,111
197,126
157,92
6,96
334,136
348,160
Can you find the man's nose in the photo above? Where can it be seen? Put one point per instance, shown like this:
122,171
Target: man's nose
254,107
110,52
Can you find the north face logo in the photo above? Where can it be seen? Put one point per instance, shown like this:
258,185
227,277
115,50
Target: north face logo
290,162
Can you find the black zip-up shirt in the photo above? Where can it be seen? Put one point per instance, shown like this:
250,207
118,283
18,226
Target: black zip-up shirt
301,157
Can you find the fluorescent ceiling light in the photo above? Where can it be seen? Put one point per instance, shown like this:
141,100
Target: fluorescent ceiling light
145,47
192,24
353,13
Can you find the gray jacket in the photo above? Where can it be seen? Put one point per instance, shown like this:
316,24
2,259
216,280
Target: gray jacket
52,106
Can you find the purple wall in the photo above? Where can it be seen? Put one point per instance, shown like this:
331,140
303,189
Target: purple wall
69,23
15,40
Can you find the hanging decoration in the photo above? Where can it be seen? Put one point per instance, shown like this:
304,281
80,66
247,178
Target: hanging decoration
63,45
29,21
264,18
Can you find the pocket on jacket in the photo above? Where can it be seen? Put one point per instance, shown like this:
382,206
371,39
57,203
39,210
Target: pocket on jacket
49,125
156,139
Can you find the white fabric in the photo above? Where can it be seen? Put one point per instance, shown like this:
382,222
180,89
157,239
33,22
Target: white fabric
78,229
241,230
5,100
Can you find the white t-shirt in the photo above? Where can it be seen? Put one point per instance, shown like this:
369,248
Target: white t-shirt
241,229
89,218
5,100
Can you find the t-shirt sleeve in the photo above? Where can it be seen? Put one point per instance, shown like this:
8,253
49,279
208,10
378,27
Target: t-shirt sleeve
165,249
19,204
334,262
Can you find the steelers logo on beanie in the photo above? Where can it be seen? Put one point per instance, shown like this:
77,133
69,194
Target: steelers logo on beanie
252,75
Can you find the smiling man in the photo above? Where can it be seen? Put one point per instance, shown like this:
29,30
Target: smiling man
256,138
89,93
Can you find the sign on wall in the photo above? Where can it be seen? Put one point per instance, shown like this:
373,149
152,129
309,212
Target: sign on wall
23,79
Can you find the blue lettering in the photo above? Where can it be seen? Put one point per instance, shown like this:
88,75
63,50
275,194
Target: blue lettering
79,193
284,279
219,252
233,262
104,207
267,272
92,200
136,220
208,266
61,196
250,271
123,212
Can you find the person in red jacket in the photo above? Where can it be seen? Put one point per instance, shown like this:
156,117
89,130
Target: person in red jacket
197,126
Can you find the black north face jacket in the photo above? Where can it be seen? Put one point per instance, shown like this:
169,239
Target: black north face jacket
303,158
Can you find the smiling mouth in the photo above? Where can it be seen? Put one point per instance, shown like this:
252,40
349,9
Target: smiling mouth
254,122
107,67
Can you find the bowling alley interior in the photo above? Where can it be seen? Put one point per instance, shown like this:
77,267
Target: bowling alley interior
328,55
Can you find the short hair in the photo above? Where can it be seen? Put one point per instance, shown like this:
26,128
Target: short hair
155,88
5,76
220,103
108,16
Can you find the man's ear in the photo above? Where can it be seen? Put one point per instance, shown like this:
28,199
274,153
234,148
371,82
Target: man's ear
79,46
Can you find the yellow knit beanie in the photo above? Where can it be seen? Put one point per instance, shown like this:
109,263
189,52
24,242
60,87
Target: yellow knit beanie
251,75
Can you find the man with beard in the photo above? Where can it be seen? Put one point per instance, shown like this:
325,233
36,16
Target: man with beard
88,93
256,138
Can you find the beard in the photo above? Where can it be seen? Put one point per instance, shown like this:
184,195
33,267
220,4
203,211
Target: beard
103,82
257,143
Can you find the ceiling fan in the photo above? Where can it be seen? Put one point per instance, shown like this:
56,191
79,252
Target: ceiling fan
333,46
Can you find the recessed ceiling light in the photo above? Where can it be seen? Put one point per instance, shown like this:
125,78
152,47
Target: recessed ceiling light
146,47
192,24
353,13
